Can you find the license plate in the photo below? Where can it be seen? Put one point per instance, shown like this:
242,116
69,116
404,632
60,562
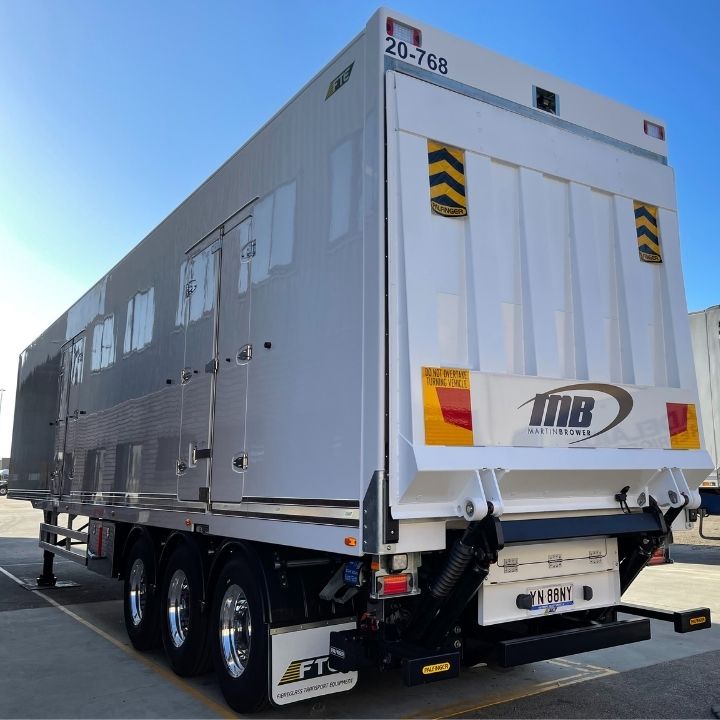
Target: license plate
551,596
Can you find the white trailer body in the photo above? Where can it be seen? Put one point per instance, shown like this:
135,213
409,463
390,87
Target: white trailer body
705,334
425,333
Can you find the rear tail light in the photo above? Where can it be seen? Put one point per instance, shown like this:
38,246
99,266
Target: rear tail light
394,584
654,130
403,33
659,557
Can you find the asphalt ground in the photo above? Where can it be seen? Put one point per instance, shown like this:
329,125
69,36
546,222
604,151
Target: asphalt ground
64,653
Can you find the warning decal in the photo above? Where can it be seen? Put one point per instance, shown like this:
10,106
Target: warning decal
447,407
683,425
446,169
648,235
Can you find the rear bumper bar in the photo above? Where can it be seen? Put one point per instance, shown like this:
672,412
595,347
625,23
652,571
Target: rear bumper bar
520,651
683,620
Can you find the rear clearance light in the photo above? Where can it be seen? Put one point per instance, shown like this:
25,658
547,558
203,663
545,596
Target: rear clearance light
394,584
654,130
403,33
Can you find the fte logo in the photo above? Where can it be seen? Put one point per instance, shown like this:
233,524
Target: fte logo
307,669
563,412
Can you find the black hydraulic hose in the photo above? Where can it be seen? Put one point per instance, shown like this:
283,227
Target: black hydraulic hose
460,557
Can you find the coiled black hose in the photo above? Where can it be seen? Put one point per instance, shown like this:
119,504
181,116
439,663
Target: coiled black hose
460,557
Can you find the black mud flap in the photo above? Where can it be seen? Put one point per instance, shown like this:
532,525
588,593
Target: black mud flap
425,668
520,651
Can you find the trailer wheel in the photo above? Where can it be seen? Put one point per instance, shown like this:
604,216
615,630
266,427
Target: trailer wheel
184,623
140,596
240,638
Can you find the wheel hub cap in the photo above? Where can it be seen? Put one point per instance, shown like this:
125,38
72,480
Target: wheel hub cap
235,630
138,591
178,608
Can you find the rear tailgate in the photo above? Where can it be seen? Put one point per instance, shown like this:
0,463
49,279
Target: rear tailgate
539,344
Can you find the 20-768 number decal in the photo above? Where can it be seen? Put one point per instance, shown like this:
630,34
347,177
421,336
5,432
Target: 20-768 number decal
431,61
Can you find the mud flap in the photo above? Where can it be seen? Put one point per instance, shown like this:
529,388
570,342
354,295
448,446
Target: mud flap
299,667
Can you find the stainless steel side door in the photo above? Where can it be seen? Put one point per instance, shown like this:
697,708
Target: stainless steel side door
234,357
197,374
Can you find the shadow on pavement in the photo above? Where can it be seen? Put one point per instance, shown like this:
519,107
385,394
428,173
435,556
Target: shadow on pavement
696,554
22,558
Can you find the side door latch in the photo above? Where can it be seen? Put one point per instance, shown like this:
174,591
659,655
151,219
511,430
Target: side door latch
240,462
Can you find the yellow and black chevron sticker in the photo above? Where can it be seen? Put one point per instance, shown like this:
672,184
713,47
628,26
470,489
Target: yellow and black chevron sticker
446,166
648,235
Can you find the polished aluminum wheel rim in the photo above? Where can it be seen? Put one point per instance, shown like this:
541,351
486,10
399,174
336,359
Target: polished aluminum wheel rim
235,630
178,608
138,591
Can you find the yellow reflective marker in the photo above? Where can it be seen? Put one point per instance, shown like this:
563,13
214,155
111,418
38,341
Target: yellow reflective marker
648,234
447,406
446,170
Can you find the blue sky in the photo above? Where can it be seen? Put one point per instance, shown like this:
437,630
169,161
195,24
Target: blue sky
111,113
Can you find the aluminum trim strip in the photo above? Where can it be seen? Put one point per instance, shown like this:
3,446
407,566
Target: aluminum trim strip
321,502
310,625
524,110
283,517
273,509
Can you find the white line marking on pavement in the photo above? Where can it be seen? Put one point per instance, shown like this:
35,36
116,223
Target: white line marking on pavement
221,710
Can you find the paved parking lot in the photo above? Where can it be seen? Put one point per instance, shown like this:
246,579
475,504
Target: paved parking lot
64,653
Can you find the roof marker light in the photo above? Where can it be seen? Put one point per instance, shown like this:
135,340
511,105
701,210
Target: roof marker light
403,33
654,130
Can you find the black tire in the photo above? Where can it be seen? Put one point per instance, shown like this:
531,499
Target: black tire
140,600
246,690
3,490
182,617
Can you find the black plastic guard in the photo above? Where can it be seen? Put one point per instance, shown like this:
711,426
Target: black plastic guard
530,649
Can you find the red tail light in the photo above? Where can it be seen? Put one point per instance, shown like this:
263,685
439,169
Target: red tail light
394,584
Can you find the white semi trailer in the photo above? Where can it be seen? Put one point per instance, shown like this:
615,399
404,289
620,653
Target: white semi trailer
406,382
705,334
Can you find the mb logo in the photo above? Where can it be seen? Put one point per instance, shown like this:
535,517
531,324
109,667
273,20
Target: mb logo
562,411
556,413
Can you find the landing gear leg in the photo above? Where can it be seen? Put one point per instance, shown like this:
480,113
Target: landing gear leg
48,579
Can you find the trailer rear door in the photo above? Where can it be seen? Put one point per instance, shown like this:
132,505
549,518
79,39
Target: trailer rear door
537,308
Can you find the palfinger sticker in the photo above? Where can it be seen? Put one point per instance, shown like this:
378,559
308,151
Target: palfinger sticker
447,406
446,170
648,235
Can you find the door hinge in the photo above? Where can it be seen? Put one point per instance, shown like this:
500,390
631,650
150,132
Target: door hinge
240,462
244,354
180,467
213,366
203,496
190,287
185,376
